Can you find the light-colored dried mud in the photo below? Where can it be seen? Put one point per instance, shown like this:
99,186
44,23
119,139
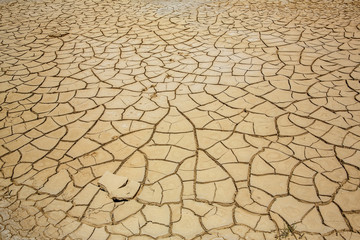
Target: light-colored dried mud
238,118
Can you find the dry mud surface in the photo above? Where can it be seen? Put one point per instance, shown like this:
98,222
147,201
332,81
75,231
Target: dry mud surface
235,119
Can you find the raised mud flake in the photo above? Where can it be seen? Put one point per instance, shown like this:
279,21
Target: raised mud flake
57,35
126,192
109,182
118,187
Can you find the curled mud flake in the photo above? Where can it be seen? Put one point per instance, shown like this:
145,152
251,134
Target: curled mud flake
119,188
58,35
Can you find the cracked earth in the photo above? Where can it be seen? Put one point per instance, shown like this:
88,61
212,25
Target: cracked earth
217,119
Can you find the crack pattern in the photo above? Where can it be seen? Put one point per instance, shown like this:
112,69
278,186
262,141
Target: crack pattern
237,118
